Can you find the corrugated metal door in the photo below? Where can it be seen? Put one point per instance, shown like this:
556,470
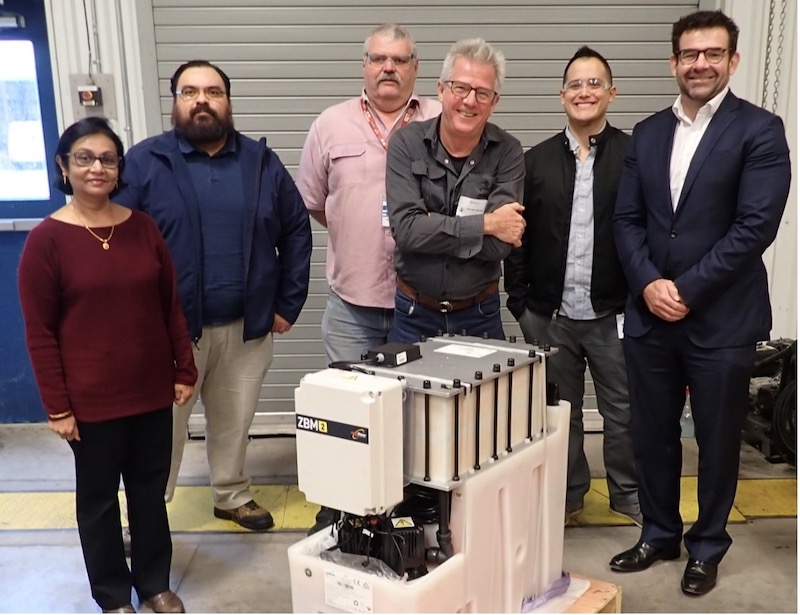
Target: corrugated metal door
290,60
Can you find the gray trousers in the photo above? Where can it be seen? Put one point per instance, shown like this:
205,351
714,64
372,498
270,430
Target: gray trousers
595,342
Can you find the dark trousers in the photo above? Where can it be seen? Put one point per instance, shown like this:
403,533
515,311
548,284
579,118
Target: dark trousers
595,342
413,320
138,448
661,364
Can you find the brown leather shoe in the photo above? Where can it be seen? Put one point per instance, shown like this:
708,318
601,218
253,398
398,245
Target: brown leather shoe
128,608
165,602
249,515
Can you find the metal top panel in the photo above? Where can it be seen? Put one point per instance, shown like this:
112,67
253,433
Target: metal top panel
472,360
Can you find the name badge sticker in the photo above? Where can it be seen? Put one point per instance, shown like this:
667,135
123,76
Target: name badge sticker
467,206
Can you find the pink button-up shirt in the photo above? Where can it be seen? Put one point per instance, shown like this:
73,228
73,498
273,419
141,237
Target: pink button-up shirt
343,173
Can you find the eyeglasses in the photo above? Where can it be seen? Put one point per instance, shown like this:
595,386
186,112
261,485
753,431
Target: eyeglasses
713,55
462,90
593,85
83,158
376,59
191,93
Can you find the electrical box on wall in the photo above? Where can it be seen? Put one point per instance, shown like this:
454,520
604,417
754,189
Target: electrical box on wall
93,95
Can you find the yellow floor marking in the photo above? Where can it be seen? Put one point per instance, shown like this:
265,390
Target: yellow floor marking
191,509
767,498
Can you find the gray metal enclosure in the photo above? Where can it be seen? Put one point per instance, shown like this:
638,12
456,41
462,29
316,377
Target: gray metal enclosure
290,60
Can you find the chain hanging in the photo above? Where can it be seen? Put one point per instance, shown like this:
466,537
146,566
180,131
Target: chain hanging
765,88
776,84
779,58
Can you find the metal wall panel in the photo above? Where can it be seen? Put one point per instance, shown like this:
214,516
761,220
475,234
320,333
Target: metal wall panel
290,60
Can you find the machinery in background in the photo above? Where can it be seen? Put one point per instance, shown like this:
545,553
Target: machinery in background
771,422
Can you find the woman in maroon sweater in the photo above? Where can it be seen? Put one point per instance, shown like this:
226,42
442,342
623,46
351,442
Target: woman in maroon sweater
111,352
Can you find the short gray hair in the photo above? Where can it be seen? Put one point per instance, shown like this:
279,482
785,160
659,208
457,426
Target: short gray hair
476,50
394,33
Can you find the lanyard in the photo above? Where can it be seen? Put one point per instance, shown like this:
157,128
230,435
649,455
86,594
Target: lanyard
410,110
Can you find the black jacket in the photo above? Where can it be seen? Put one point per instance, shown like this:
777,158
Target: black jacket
534,273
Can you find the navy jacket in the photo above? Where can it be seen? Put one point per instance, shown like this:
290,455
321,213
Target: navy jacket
277,252
727,215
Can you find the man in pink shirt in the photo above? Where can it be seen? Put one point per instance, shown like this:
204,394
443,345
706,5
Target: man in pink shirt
342,177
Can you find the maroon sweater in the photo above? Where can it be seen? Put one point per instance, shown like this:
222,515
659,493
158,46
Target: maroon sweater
105,329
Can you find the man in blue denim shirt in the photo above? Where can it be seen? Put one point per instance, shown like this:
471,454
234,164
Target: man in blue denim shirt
453,188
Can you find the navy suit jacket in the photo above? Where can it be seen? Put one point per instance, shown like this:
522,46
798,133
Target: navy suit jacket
727,215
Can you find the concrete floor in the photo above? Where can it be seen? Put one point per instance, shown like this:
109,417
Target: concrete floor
42,571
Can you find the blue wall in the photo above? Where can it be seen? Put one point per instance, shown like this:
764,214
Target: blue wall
19,397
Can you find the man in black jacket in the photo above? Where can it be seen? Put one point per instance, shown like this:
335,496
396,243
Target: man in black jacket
565,284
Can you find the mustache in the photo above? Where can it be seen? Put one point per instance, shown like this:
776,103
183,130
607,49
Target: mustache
204,107
388,77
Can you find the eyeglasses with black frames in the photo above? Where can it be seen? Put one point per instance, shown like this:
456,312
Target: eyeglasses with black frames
377,59
84,158
462,90
190,93
593,84
713,55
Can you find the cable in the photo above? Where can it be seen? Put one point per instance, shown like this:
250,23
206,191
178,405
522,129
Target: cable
88,37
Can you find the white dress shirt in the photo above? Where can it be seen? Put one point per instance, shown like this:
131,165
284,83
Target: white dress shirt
687,137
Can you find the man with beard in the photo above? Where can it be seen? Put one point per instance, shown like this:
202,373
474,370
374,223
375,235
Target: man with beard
240,238
342,177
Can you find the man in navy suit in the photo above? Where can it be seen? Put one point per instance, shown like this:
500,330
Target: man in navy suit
701,197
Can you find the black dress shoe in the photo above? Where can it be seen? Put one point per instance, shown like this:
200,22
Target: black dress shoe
641,557
699,577
325,518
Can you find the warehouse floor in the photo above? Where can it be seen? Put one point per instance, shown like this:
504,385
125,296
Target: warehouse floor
218,568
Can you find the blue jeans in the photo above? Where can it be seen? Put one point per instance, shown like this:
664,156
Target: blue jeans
348,330
413,320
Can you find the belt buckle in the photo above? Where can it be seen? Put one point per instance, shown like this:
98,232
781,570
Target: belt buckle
445,307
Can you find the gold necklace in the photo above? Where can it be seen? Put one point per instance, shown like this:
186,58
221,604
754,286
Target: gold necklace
95,235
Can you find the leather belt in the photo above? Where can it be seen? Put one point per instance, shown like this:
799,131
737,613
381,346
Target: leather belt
445,306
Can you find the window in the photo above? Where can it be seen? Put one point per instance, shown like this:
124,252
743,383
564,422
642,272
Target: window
23,162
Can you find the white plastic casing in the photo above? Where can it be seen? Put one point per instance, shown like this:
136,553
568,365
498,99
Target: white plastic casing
350,440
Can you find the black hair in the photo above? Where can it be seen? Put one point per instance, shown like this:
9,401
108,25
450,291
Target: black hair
588,52
86,127
703,20
173,82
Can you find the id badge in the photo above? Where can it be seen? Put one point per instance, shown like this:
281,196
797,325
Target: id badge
468,206
384,212
620,325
